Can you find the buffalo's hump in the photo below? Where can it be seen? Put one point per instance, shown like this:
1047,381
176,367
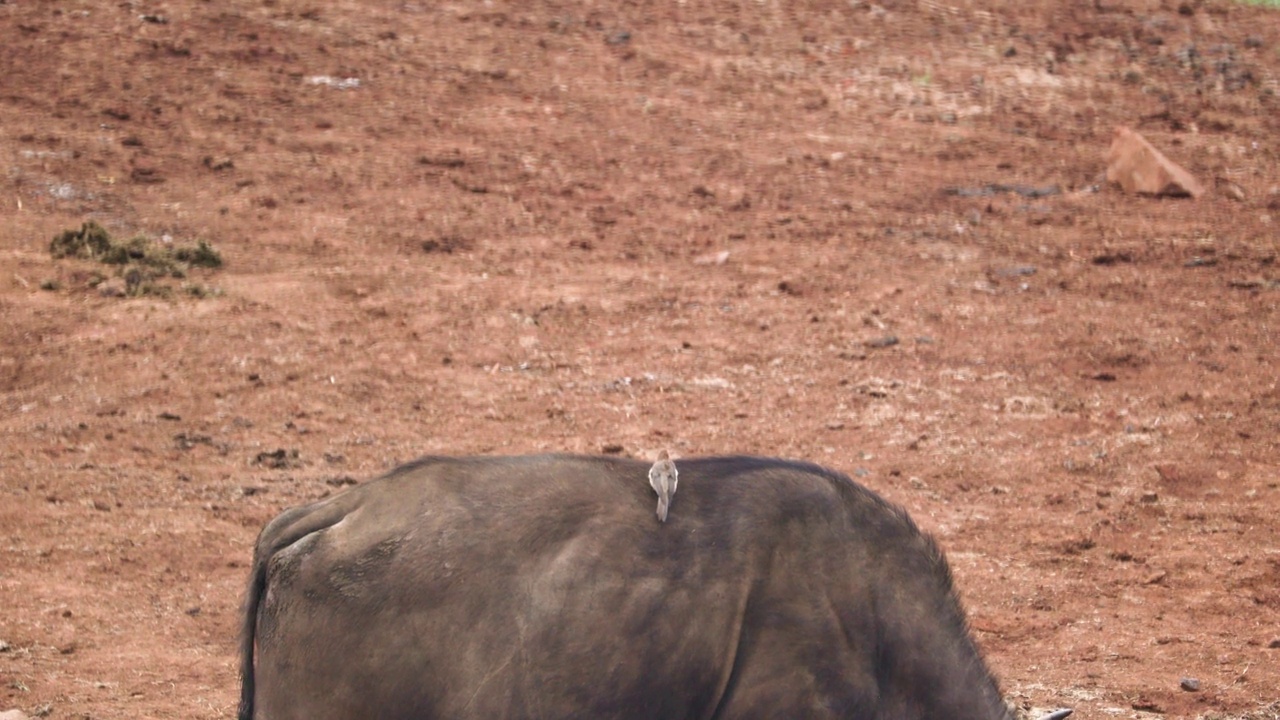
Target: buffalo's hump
543,587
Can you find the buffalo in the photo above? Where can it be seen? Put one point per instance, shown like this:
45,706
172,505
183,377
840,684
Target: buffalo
541,587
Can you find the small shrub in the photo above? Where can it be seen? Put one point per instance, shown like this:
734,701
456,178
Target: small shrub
135,249
202,255
89,242
142,263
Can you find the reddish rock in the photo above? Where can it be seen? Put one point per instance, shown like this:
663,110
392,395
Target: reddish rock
1135,165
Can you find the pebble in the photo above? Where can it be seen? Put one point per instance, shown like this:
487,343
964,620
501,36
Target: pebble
990,189
884,342
1274,644
1189,684
718,258
113,287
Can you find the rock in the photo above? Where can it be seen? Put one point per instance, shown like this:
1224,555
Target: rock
883,342
13,715
1137,167
113,287
1189,684
1274,644
1146,704
1231,190
218,163
717,258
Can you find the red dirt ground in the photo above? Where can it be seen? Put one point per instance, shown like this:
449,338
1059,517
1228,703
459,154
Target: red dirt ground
501,227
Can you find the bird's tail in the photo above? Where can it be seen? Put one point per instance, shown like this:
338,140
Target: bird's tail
664,502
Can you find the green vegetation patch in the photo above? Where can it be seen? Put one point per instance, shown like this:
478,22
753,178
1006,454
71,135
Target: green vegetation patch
90,241
142,262
202,255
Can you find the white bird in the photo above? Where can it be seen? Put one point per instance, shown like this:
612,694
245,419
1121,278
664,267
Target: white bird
663,478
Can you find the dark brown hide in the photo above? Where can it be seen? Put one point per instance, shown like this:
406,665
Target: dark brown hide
542,587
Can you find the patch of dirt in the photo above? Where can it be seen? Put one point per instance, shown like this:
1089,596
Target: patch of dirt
869,235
